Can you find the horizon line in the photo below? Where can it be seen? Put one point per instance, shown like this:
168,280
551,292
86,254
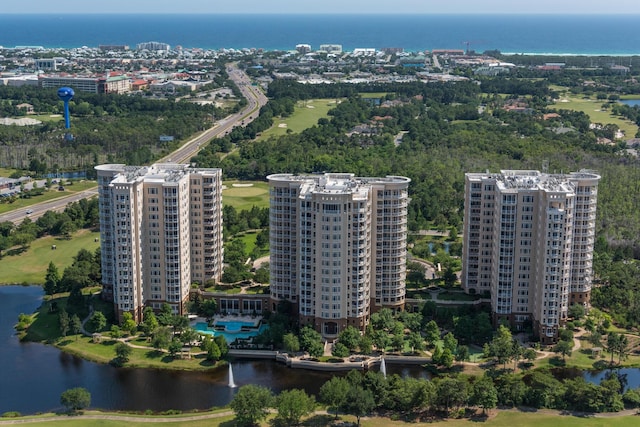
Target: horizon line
332,13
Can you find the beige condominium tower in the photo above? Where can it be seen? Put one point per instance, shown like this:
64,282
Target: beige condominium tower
160,231
338,246
528,242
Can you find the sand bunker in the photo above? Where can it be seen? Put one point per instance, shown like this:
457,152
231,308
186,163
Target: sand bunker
19,122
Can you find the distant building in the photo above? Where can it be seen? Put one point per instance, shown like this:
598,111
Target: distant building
392,50
338,247
154,46
331,48
107,47
160,231
100,84
46,64
364,51
303,48
528,242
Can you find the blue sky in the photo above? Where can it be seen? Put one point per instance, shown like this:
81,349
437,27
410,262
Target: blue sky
323,6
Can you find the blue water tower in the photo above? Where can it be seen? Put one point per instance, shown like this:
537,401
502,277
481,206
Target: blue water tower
65,94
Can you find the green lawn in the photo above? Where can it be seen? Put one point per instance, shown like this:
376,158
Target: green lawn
502,419
6,173
52,194
306,114
592,107
249,240
245,197
31,265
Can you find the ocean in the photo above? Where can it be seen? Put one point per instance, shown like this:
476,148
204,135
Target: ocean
541,34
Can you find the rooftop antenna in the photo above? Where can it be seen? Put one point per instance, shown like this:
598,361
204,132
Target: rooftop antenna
66,94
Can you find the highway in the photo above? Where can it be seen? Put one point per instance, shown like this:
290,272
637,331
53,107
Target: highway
255,100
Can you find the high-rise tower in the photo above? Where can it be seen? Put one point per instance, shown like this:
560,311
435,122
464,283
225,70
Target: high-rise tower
338,247
160,230
528,241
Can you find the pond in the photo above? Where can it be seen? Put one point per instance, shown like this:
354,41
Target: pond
630,102
34,375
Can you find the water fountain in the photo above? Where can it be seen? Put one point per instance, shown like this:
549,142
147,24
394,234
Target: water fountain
383,367
232,383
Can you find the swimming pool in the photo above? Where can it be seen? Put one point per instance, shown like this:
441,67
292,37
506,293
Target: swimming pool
230,335
233,325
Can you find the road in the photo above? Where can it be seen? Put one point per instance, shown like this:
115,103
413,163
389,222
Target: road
255,100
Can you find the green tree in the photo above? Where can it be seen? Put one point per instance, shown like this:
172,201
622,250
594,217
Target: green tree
359,402
340,350
161,338
349,337
365,344
381,339
150,322
530,355
501,346
431,332
75,325
291,343
333,393
564,348
208,308
63,320
613,343
97,321
51,280
251,404
450,342
416,341
128,324
484,394
116,332
451,392
174,347
222,345
123,351
292,405
462,353
212,349
576,311
75,399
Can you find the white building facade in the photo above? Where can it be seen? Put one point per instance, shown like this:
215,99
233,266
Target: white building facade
160,231
528,242
338,247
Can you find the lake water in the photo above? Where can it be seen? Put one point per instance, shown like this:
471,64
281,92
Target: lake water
34,375
630,102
